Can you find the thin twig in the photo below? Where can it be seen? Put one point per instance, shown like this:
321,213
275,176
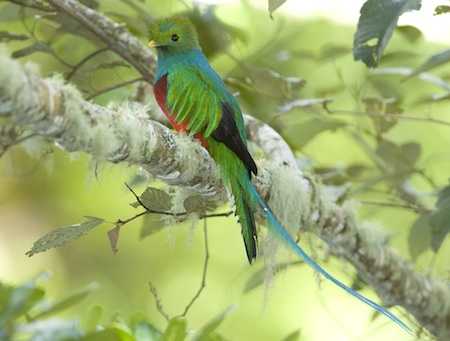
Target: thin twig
113,87
181,214
393,205
386,115
159,306
84,60
205,268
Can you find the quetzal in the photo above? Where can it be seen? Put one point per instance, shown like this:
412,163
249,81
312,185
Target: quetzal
196,101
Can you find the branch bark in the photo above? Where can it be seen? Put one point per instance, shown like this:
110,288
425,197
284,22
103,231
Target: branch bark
58,112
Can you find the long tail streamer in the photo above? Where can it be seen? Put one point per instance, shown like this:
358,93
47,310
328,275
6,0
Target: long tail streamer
281,232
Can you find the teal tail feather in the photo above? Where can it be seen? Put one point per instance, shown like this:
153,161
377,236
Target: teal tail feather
281,232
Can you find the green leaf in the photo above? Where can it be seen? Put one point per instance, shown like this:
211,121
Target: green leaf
63,235
38,46
399,160
404,71
207,331
176,329
67,302
380,105
17,301
300,134
294,336
419,239
257,278
333,52
91,320
193,204
151,224
303,103
146,332
410,33
441,10
274,5
440,219
431,63
104,335
156,200
377,21
8,36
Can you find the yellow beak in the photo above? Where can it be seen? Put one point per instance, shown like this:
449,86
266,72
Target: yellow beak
152,43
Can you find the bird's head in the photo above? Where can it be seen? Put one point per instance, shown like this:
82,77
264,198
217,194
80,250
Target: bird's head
173,35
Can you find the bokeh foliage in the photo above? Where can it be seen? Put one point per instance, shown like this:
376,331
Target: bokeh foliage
380,136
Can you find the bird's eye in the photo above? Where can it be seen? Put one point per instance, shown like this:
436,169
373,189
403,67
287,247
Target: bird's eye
174,37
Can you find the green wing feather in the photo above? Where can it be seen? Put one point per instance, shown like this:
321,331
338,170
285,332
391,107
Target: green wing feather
193,99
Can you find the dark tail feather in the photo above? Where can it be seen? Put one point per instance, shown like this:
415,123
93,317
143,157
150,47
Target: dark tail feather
283,235
249,233
246,219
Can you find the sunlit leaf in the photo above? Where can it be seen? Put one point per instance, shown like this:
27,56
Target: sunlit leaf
440,219
419,239
176,329
377,21
38,46
63,235
205,332
156,200
434,61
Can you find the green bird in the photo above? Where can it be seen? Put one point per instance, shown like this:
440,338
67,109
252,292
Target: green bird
196,101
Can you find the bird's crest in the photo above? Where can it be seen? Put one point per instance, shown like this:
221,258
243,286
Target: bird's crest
175,34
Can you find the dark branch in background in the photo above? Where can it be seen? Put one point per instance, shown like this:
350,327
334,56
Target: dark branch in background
114,35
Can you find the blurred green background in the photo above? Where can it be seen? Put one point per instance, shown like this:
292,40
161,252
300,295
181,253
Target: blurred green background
42,187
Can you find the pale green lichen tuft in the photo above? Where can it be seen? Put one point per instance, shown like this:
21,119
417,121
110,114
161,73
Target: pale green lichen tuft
290,198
